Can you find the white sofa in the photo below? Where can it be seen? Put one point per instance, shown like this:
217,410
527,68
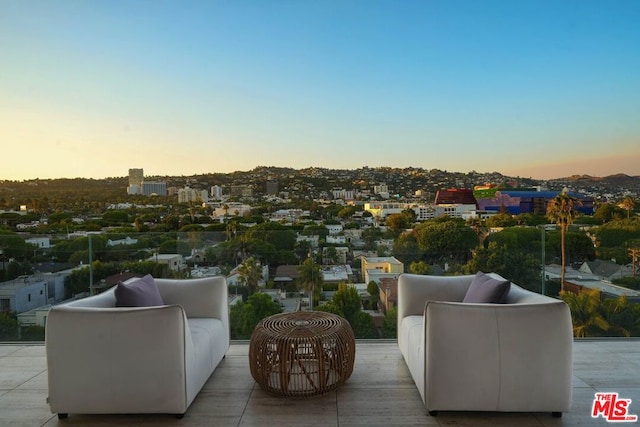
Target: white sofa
513,357
102,359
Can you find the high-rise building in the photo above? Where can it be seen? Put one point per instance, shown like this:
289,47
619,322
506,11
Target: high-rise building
154,188
136,178
216,192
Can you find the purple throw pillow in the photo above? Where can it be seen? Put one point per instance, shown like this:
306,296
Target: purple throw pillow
141,292
486,289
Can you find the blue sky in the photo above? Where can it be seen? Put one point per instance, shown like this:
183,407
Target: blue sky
527,88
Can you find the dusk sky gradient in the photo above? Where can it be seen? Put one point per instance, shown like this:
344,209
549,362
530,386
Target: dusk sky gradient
541,89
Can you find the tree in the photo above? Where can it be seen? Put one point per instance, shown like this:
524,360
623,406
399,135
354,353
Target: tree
250,272
619,314
302,249
586,313
607,212
445,239
280,236
406,249
578,246
397,223
627,204
244,317
501,219
363,326
519,266
419,267
8,326
310,278
390,324
561,211
347,303
330,255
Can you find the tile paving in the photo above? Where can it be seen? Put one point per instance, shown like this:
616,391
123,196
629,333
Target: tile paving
379,393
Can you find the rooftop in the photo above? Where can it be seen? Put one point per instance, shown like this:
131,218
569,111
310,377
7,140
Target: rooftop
380,392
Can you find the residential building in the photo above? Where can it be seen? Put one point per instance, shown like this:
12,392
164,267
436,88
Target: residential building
341,194
189,195
23,294
221,210
174,261
382,190
314,241
125,242
607,270
376,268
334,228
575,281
245,191
288,215
388,293
40,242
454,210
381,210
337,273
336,240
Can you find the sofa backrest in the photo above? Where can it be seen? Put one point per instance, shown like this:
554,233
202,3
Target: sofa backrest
106,299
415,290
518,295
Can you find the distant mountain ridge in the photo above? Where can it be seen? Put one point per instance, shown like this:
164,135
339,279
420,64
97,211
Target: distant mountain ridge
619,176
317,182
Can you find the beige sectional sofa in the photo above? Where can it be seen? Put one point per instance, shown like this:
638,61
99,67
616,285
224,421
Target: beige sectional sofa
514,356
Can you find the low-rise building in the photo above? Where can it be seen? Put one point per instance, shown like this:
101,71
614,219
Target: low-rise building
174,261
23,294
376,268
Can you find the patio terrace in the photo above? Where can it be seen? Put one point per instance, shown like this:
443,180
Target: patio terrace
379,393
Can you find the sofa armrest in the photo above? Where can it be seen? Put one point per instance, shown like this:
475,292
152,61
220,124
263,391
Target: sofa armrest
104,358
475,354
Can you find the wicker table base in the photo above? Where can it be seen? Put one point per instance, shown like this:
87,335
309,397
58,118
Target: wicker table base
302,354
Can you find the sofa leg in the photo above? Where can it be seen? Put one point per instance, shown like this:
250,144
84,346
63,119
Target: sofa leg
556,414
62,416
179,416
433,413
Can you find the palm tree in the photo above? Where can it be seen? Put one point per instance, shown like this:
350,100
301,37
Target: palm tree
627,204
586,313
250,272
310,278
561,211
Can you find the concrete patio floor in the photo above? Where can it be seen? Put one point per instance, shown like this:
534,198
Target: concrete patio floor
379,393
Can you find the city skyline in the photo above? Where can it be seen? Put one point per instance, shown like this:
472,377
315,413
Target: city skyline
531,89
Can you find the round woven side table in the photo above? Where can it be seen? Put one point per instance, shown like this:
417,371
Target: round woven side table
302,354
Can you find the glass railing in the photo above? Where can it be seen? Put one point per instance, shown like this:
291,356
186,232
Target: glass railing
350,269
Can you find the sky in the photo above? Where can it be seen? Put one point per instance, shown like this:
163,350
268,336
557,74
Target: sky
541,89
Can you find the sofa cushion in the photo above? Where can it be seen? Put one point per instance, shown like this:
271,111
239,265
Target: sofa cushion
486,289
142,292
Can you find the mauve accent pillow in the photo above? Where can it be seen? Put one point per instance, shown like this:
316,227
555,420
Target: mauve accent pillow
486,289
141,292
